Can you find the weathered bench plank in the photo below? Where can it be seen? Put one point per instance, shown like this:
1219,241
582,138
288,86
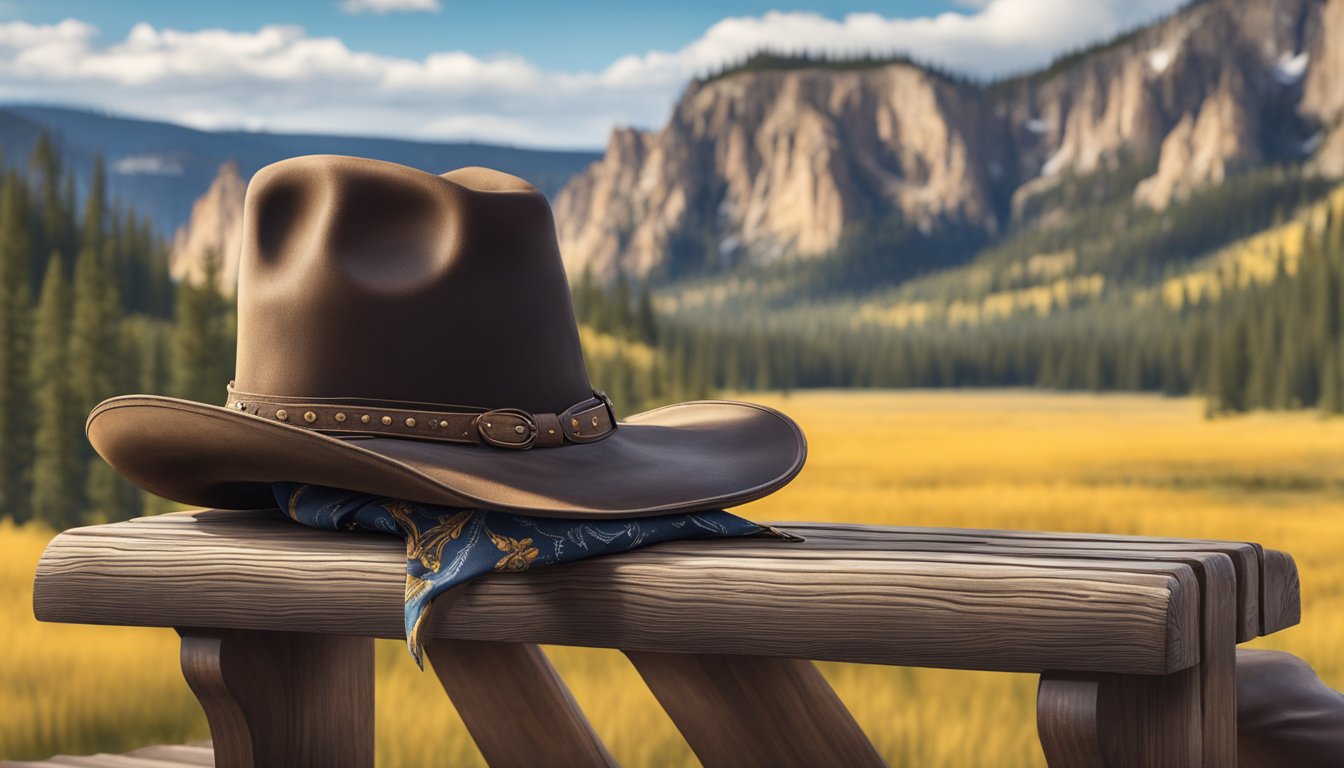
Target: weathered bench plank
1246,558
1271,573
1281,593
990,611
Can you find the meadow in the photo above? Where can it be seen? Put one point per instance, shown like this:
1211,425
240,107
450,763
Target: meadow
1112,463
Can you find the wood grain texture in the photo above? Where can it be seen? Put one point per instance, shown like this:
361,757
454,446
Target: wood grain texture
1215,675
1229,575
877,604
743,711
1217,668
1246,557
285,699
1133,720
1281,592
514,704
1066,720
1152,720
202,657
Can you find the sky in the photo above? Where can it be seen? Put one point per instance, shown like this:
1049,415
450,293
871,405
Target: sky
542,74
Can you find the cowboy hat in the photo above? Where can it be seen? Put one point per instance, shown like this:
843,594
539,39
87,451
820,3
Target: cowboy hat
411,335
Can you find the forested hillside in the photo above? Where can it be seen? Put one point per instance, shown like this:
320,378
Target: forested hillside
87,311
1234,294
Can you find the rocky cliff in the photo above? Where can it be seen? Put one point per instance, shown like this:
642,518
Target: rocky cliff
1201,94
215,227
778,163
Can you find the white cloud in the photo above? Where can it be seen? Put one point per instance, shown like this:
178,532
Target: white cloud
381,7
147,165
281,79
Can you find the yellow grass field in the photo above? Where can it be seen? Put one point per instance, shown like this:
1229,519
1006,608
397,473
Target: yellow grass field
1112,463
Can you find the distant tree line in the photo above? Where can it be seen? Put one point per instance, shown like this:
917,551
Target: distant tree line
771,60
1281,345
1259,345
87,311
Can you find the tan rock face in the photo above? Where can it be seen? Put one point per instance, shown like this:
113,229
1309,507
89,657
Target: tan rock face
777,164
1323,89
1188,92
1201,150
773,165
216,224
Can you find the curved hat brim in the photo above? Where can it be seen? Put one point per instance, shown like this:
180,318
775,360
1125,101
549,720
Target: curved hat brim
680,458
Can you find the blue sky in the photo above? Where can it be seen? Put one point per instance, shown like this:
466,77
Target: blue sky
526,73
585,35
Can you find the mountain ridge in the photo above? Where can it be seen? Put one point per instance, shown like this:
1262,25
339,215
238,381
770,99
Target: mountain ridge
163,167
779,162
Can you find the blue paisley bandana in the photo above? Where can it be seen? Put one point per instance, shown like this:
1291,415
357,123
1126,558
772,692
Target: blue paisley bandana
447,546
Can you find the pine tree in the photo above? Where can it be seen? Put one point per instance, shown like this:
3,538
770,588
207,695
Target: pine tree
1227,369
55,227
93,226
1330,381
1094,370
149,340
94,331
201,356
15,340
646,318
57,472
95,369
111,497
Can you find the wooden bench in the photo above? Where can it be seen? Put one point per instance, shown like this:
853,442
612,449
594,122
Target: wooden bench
1134,638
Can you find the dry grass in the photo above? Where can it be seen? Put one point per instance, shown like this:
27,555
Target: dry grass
1111,463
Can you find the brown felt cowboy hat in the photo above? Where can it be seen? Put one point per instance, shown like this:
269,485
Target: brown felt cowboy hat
411,335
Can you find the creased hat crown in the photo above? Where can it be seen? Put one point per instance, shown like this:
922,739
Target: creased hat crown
370,280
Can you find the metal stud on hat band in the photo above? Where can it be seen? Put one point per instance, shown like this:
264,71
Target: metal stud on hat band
584,422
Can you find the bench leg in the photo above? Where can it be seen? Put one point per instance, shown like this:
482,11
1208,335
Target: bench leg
515,705
283,698
737,711
1115,721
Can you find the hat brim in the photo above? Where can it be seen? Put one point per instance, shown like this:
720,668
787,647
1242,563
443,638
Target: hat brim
687,457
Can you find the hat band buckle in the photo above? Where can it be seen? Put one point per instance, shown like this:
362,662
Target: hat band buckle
587,421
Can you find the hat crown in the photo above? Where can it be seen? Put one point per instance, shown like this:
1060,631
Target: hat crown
372,280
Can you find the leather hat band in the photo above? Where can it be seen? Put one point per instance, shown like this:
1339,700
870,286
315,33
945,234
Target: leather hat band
584,422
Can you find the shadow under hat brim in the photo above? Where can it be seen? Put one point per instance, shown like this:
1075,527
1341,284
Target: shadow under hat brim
680,458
